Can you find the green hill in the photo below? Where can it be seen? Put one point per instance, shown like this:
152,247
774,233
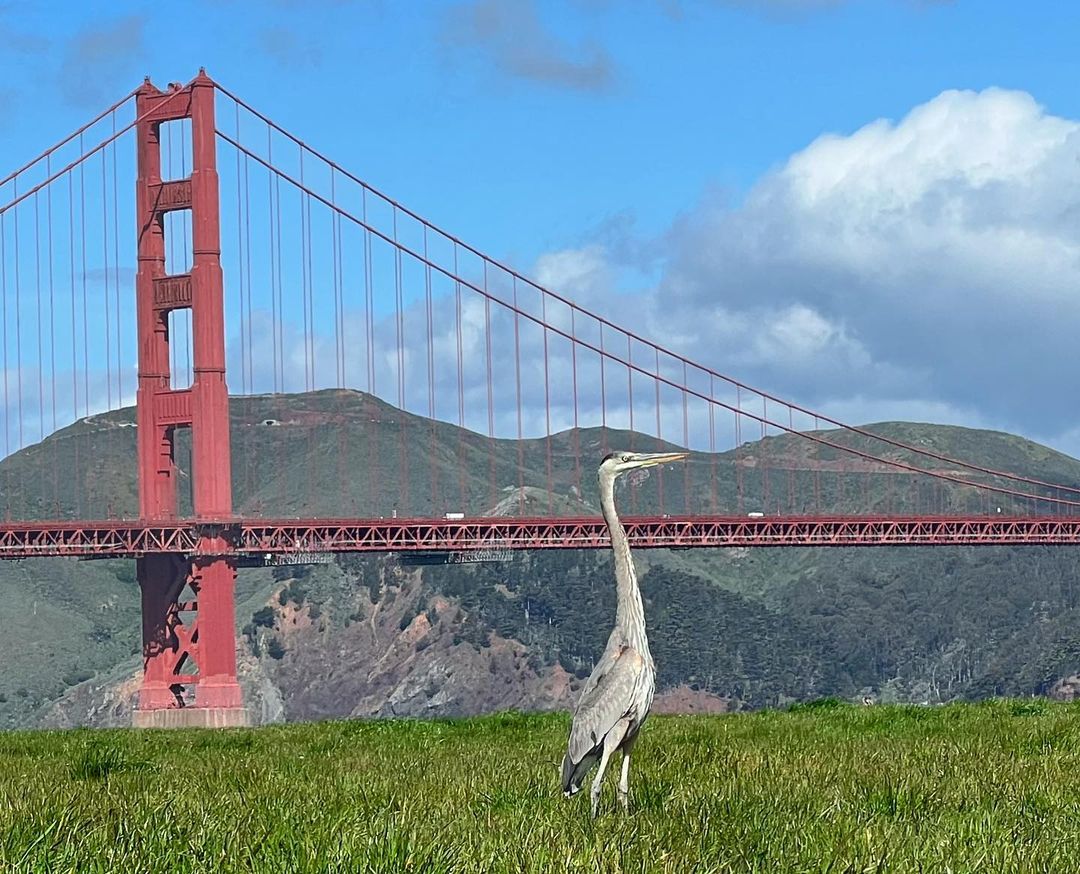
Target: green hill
341,453
736,627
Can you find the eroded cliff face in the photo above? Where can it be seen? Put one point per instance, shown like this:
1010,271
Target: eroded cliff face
408,652
100,703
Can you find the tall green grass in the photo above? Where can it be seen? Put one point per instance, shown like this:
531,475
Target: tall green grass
989,787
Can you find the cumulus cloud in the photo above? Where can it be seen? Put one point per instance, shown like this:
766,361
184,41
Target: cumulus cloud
512,38
918,268
584,275
929,261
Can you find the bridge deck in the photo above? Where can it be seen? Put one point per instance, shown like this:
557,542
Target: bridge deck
252,537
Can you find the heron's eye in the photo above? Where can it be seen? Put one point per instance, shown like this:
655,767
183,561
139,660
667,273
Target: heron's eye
627,458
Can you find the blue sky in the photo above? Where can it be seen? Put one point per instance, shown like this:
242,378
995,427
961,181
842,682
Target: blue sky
819,196
672,99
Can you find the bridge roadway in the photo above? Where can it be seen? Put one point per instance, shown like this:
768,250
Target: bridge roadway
263,538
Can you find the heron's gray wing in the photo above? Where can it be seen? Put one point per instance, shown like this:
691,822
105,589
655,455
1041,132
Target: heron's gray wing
608,695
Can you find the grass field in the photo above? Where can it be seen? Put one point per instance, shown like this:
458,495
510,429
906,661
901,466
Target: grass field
988,787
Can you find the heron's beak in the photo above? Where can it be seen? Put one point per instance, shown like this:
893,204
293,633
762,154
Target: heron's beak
655,458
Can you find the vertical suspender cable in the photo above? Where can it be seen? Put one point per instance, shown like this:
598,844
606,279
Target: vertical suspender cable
791,461
817,475
240,255
577,431
603,396
275,325
490,399
74,354
630,405
630,388
18,349
4,328
547,404
686,441
353,494
657,399
249,358
245,449
339,360
278,293
371,425
841,482
52,334
105,279
460,383
40,355
517,381
19,360
659,426
738,449
431,375
763,453
403,485
279,243
309,345
116,269
712,445
246,349
303,272
310,294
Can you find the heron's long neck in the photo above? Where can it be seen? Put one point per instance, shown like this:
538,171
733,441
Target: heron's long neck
630,613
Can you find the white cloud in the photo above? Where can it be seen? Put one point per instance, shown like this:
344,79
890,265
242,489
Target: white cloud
932,260
575,273
923,268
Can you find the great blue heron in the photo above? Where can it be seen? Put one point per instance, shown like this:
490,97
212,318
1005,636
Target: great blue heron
619,692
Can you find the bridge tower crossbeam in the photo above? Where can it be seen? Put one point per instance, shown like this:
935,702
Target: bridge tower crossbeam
189,642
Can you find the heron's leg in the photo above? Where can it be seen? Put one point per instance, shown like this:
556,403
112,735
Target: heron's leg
624,778
624,781
611,743
599,778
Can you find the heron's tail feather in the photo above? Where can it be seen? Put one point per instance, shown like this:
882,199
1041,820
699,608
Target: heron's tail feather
573,773
568,786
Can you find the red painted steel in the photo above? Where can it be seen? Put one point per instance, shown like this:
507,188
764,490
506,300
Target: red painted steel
201,654
157,472
169,646
245,538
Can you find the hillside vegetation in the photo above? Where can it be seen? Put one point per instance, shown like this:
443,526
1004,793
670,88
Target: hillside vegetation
369,635
341,453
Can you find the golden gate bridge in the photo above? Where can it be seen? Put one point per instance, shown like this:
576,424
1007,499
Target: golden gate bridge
390,388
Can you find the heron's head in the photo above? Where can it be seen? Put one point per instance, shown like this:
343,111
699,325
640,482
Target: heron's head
616,463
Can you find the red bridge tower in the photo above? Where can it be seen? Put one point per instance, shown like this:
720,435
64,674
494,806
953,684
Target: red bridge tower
189,642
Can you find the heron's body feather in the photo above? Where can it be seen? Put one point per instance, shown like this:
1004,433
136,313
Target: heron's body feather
619,688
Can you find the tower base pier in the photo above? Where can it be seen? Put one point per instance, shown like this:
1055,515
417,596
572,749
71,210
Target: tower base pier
192,717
